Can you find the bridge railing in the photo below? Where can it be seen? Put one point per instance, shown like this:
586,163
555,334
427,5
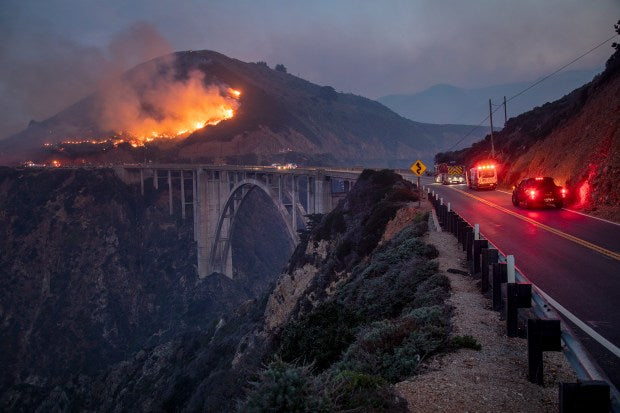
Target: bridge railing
512,290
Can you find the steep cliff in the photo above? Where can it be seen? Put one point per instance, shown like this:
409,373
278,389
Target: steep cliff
364,308
91,272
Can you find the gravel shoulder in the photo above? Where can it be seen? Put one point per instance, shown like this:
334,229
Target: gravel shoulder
492,379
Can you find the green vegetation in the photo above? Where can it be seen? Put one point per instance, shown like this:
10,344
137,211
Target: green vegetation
373,331
320,337
282,387
465,341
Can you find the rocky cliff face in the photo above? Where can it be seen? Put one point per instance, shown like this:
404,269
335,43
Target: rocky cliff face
91,273
210,369
360,299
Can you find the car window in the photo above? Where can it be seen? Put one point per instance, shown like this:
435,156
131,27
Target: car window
546,182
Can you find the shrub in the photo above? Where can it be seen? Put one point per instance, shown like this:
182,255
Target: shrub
394,348
320,336
465,341
282,387
332,224
355,391
432,291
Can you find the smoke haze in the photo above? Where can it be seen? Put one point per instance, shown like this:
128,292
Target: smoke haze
42,72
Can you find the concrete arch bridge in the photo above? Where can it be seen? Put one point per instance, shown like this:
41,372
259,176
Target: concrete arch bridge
212,195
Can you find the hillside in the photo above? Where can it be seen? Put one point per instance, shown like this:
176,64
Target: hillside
575,139
225,110
339,282
91,272
451,104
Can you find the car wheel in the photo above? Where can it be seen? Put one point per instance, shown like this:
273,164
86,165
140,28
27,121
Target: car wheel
559,204
515,201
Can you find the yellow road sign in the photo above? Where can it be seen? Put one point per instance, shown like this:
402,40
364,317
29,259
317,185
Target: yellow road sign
418,168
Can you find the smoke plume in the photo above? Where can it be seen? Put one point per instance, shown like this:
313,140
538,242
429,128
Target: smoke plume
154,102
43,72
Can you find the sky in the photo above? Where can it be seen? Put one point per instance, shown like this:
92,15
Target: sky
54,52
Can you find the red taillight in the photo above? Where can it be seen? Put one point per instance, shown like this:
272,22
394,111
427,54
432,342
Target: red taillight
492,166
532,193
480,167
539,178
564,192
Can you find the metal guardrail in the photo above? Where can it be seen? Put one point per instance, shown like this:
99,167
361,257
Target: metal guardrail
578,357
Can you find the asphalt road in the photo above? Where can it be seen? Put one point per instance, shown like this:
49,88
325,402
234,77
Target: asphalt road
573,258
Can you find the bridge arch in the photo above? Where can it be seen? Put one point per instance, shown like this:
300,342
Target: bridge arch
221,254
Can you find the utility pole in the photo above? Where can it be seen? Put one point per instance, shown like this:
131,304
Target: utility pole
491,117
505,116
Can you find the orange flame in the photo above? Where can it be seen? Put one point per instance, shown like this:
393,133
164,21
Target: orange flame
174,108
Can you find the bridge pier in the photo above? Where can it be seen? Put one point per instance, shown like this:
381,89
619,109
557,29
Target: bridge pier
217,193
170,190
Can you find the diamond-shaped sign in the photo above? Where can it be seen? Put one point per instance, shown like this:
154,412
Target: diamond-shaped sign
418,167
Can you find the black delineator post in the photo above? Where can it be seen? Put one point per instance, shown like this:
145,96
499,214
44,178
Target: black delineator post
518,295
500,275
592,396
461,231
444,208
542,335
469,243
478,245
489,257
451,219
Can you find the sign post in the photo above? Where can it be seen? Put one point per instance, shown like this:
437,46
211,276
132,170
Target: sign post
418,168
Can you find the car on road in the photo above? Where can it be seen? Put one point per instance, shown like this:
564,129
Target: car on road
538,192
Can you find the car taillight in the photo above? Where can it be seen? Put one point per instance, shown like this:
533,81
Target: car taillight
564,192
532,193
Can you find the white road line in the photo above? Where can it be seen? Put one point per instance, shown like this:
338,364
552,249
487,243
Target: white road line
560,308
591,216
582,325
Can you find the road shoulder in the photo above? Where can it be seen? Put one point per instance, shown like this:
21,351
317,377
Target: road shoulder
492,379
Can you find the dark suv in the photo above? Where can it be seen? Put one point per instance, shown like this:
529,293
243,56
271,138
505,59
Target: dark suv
538,192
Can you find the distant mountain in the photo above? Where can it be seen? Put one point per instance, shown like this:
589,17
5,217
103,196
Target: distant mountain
277,117
451,104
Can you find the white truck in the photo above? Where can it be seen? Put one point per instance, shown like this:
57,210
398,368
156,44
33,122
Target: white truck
482,176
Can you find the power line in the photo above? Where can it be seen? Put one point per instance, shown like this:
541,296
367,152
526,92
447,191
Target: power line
531,86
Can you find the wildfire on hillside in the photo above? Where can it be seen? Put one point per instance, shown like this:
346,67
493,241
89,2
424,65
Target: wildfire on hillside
168,109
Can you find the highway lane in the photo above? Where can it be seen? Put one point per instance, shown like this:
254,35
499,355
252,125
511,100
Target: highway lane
571,257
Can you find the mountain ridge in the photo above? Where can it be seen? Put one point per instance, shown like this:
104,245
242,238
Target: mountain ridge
277,113
445,103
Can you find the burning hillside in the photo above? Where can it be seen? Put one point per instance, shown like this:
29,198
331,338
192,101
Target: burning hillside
175,109
165,108
154,103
